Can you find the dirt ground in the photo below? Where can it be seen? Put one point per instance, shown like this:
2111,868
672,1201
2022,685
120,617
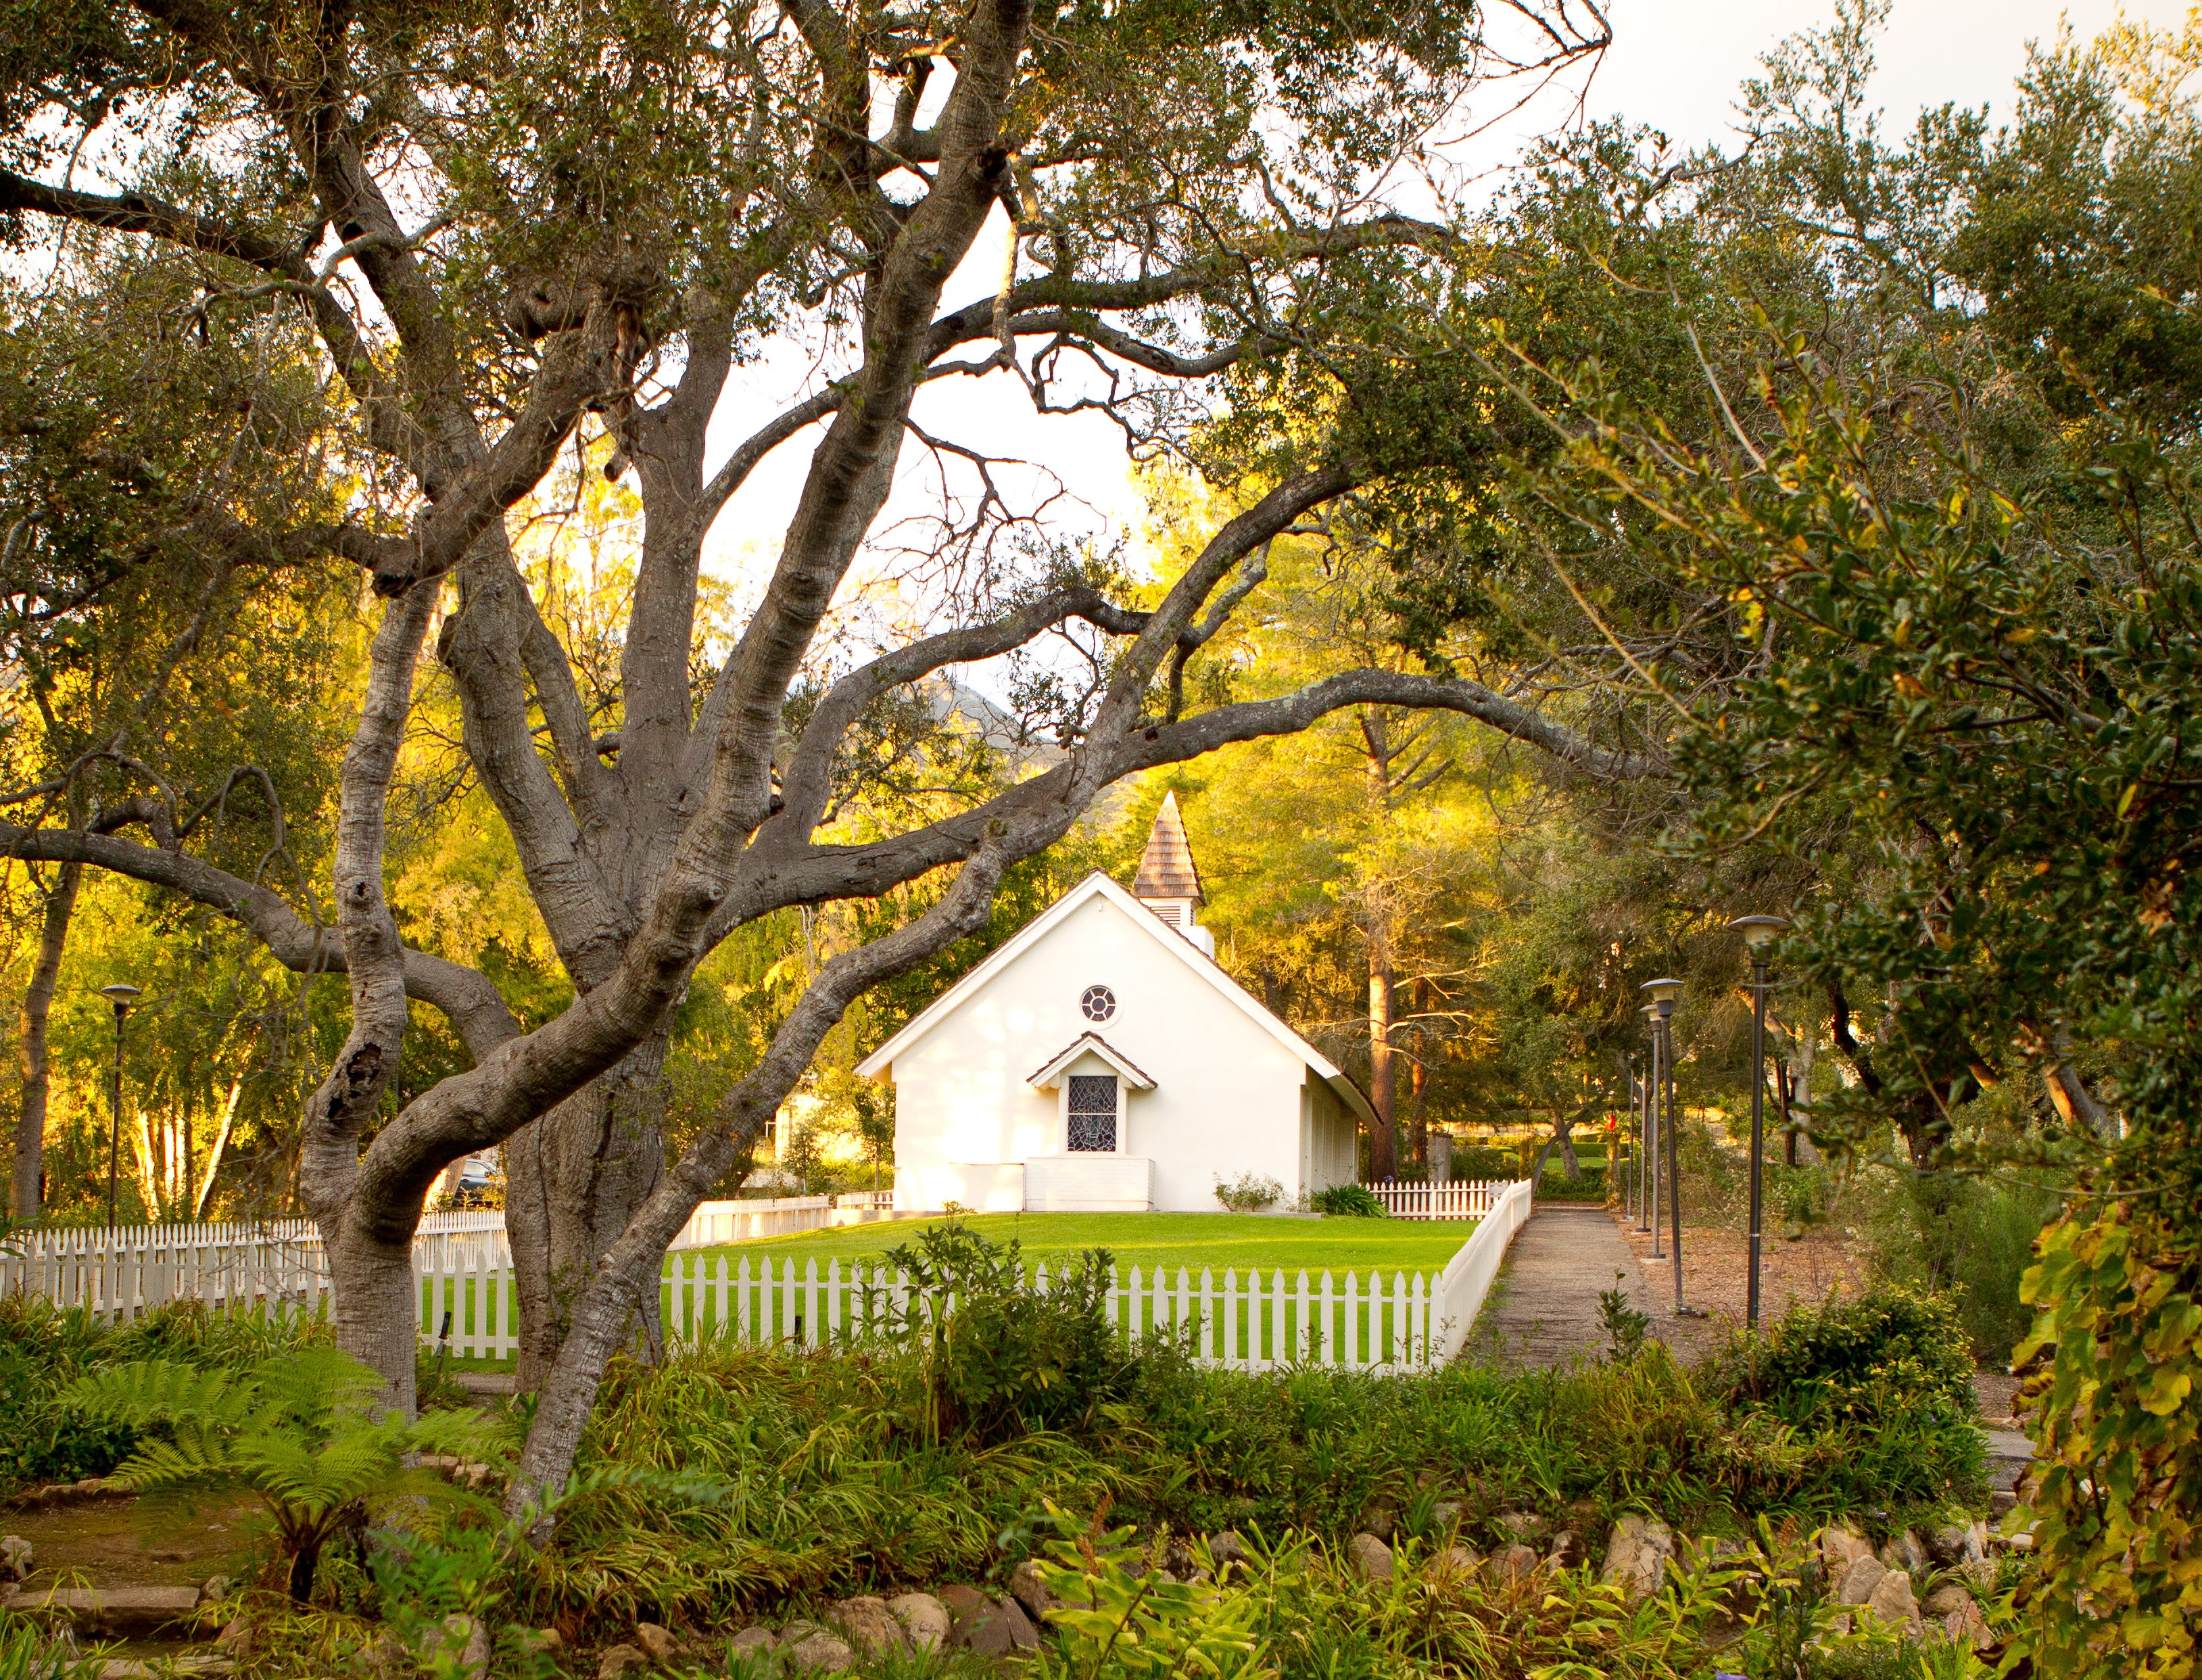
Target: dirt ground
1716,1274
112,1542
1716,1277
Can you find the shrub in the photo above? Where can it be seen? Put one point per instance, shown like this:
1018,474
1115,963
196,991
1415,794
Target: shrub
1010,1357
1348,1201
1851,1360
1250,1194
45,1348
1480,1163
1880,1387
1972,1237
1557,1186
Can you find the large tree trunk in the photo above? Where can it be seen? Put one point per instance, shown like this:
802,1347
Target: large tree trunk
573,1180
1383,1068
27,1195
1564,1126
376,1309
1418,1080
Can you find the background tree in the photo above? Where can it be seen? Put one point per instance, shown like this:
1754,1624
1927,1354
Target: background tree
611,216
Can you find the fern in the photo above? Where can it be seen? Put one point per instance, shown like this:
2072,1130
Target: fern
298,1431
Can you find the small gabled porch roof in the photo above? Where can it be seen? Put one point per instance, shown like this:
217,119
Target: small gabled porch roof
1053,1070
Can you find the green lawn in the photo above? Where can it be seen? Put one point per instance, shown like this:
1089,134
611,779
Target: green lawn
1216,1240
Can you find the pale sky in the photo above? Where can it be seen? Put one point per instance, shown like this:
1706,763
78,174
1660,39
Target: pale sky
1675,65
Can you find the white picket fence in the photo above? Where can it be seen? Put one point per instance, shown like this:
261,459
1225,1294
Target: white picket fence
1249,1323
1246,1323
1466,1280
468,1302
1461,1200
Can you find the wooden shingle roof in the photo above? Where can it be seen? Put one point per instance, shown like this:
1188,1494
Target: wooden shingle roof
1166,870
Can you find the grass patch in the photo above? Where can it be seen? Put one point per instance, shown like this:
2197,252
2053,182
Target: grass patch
1215,1240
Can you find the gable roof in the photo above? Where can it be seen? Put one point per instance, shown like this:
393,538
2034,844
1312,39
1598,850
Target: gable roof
1051,1070
1166,870
880,1063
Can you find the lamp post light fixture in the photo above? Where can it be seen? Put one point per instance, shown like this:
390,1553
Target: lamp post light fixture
1759,932
1664,994
124,998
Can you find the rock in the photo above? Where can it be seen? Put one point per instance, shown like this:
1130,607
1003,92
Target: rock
235,1635
1956,1545
1945,1598
1456,1560
1370,1557
759,1638
870,1625
1030,1591
2001,1503
1523,1527
1445,1514
987,1627
924,1620
463,1638
1906,1552
658,1642
1966,1625
621,1659
1382,1518
214,1589
805,1645
549,1641
106,1612
14,1558
1860,1578
1517,1562
1892,1603
1636,1556
1226,1548
1566,1551
1841,1546
161,1668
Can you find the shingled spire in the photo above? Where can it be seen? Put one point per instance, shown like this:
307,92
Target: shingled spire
1168,883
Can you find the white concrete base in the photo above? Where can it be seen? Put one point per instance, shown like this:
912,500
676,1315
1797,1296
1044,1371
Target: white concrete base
1089,1184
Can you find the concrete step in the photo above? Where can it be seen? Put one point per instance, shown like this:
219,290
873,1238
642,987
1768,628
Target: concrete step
108,1612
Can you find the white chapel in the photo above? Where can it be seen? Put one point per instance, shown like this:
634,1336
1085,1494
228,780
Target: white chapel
1100,1061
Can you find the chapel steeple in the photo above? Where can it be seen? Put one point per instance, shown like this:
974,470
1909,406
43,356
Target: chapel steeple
1166,882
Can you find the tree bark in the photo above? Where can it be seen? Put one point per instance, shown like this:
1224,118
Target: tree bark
574,1179
374,1310
26,1196
1383,1073
1418,1078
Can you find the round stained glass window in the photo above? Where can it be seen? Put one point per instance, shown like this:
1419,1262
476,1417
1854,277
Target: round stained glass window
1098,1004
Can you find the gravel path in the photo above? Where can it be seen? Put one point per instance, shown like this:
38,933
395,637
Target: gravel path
1545,1310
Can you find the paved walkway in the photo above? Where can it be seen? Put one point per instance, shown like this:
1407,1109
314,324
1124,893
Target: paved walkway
1545,1310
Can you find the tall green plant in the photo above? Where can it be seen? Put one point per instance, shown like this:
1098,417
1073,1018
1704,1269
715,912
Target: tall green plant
301,1432
1003,1356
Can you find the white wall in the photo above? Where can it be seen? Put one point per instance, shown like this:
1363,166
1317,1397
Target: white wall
1227,1097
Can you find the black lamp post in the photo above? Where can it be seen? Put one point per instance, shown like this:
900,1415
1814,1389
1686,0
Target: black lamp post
1759,932
1664,994
1647,1173
1633,1179
123,997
